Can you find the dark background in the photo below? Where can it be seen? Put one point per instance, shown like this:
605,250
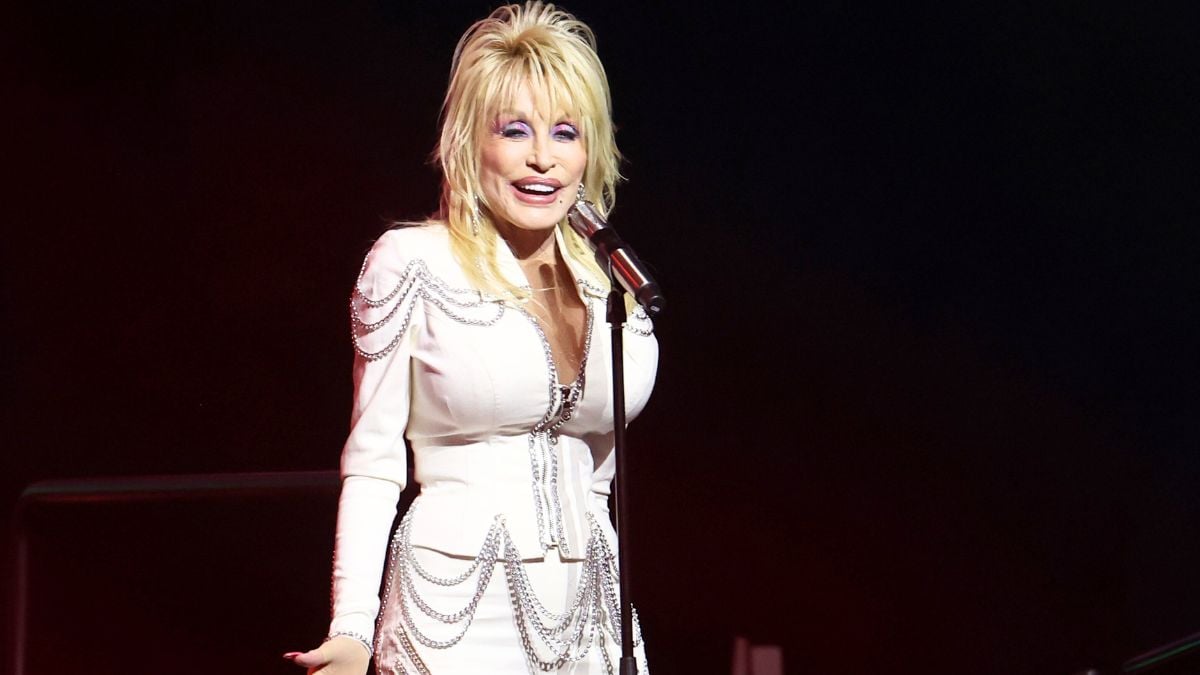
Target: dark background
928,391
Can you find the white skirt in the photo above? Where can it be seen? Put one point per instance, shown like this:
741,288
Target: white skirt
448,615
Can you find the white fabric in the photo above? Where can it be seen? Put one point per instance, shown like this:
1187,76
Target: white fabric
466,396
488,646
366,508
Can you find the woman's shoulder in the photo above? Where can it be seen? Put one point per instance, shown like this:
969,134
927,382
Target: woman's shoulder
404,246
394,273
408,241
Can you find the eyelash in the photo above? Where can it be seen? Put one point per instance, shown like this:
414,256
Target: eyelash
565,132
515,130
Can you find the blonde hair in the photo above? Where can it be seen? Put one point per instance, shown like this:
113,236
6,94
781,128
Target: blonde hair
555,54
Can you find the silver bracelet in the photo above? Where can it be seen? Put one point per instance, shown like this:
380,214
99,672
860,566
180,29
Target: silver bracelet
354,636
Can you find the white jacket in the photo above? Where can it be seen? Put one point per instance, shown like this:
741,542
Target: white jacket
470,382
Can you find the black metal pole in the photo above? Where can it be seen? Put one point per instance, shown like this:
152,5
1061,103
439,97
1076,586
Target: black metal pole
616,322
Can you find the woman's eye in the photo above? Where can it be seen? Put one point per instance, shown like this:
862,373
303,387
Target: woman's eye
515,130
565,132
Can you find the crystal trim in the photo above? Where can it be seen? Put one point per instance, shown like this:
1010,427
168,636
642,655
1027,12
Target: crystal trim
464,305
354,636
543,438
593,616
550,639
640,323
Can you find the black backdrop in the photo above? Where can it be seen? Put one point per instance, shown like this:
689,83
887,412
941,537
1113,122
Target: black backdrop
928,385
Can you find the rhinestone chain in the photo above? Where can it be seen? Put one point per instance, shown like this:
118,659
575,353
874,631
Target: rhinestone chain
640,322
543,438
415,282
590,618
595,602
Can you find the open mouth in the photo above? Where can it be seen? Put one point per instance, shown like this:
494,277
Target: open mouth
536,188
537,191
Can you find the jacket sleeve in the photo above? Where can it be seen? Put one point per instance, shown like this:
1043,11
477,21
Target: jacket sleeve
641,368
385,311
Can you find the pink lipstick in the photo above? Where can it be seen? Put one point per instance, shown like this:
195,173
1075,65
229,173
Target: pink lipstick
536,190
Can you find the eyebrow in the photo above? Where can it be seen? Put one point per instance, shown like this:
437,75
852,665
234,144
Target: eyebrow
523,115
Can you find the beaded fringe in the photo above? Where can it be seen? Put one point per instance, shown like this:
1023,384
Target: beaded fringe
549,639
465,305
593,617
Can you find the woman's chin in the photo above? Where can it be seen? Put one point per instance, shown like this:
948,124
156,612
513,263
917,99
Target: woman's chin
541,220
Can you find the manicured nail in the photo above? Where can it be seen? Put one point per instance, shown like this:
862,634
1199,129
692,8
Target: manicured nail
290,656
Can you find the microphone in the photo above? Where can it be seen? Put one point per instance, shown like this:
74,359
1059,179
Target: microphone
614,253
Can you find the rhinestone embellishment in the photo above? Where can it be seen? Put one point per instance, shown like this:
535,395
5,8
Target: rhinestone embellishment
550,639
464,305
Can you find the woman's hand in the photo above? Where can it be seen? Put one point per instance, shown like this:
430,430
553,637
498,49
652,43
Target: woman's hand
338,656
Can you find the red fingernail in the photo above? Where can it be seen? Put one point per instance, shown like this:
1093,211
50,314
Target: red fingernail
291,655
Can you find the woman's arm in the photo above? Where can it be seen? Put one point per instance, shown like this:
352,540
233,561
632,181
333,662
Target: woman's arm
384,307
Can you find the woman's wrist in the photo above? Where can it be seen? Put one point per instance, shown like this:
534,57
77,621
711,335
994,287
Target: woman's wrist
362,640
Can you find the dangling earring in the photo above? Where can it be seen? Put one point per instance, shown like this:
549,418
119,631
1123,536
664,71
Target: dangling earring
579,196
474,217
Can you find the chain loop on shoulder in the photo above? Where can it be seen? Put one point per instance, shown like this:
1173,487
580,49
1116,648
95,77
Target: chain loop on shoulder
415,283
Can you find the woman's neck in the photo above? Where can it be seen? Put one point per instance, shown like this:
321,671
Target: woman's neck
530,246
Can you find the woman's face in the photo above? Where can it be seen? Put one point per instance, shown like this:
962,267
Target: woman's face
531,166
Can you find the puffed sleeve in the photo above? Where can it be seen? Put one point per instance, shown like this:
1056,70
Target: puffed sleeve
385,316
385,313
641,361
641,369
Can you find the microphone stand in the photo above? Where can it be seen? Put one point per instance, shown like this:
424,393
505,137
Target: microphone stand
625,273
616,322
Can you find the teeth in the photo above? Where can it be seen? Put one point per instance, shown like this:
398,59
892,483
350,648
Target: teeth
537,187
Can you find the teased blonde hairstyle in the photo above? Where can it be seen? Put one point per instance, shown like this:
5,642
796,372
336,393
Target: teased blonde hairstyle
555,54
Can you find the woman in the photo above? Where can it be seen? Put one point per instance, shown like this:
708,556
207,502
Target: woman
480,337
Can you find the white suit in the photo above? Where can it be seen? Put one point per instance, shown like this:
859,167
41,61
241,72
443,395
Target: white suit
512,463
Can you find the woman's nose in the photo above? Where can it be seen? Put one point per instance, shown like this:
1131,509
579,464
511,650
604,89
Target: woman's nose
541,156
